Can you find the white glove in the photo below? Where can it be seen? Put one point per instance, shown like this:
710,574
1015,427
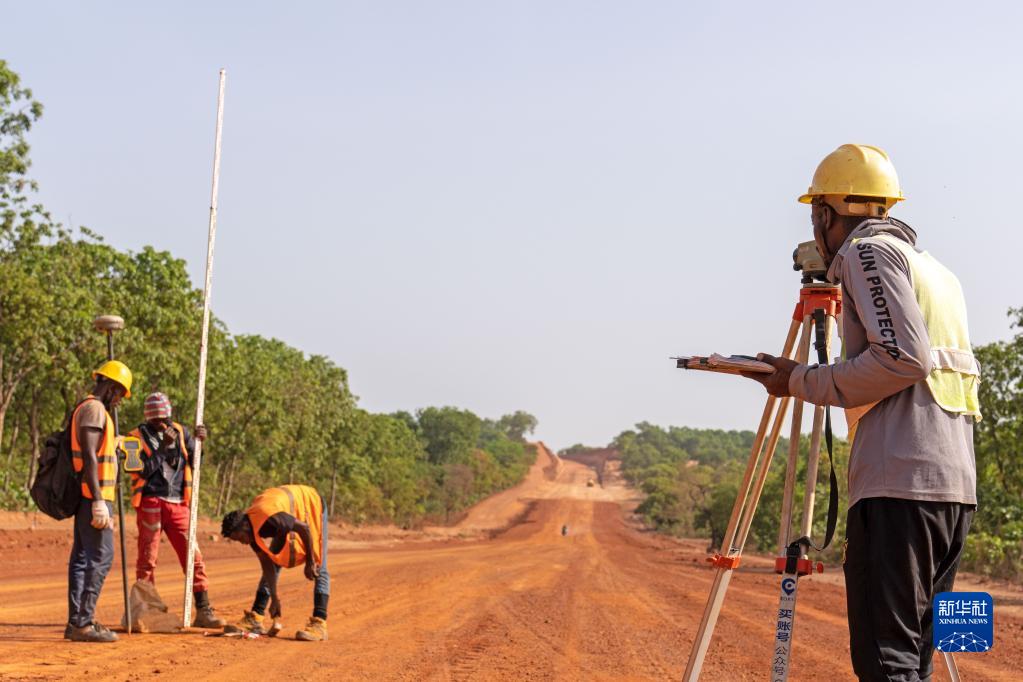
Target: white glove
101,515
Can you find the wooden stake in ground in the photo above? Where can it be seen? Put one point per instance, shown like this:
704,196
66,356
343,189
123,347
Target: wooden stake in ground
200,403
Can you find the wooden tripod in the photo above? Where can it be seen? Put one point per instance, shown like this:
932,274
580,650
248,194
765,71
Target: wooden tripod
814,298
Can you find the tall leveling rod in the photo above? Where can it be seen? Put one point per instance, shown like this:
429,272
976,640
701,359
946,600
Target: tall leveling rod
200,403
757,469
108,324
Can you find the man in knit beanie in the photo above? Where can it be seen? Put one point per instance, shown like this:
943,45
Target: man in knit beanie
161,494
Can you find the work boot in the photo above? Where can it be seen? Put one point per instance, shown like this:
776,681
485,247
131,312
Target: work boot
69,627
205,618
93,632
251,622
314,631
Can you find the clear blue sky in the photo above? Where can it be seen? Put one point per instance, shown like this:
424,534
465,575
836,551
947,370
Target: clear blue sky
507,205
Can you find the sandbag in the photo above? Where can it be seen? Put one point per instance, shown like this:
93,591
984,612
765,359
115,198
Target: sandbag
148,612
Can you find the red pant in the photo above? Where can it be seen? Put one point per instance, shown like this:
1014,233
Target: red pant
153,516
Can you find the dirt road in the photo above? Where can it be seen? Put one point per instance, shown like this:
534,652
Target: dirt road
607,601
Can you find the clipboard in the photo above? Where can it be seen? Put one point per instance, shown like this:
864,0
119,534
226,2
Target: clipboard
731,364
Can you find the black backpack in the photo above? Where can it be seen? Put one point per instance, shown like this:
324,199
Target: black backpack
57,489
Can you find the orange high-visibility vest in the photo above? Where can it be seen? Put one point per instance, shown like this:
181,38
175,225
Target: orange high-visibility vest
304,504
106,457
138,483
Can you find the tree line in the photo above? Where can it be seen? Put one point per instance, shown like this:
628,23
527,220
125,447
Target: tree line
276,415
690,477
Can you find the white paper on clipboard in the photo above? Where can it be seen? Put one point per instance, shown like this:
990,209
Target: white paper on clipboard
732,364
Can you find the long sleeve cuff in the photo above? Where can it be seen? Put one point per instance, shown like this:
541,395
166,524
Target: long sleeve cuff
810,383
797,382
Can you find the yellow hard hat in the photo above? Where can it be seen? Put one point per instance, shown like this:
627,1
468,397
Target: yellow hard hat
855,169
115,370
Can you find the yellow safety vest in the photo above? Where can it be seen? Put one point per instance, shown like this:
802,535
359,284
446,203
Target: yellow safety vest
955,372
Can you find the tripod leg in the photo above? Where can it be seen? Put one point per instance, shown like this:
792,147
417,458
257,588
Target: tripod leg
724,572
785,527
710,616
765,466
812,462
814,456
953,669
729,546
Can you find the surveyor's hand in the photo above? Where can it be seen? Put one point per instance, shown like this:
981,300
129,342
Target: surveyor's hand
170,434
275,607
101,515
312,572
200,431
776,383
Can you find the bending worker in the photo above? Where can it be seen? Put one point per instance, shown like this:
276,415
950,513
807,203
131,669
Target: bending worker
285,526
161,494
909,386
93,454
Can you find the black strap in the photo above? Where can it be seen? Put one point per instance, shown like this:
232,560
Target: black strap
71,413
821,345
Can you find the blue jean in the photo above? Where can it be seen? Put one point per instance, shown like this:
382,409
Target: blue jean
92,554
321,591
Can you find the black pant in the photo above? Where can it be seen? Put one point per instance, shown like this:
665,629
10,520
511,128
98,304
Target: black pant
900,554
91,556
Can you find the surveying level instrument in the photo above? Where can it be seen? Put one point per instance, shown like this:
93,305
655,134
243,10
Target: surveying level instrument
807,259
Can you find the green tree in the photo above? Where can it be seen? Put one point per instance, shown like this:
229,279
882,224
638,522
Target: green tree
995,542
450,434
517,425
18,111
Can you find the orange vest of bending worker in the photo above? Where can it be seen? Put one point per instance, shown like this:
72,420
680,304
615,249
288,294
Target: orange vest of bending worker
304,504
106,458
138,483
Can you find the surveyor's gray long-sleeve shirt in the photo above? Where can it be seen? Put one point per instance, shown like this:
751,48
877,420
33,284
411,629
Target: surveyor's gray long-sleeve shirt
906,446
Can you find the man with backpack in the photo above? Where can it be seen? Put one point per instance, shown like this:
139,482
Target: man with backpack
161,493
93,455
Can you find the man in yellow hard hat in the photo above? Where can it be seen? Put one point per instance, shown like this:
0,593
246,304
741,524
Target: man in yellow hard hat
93,443
908,384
